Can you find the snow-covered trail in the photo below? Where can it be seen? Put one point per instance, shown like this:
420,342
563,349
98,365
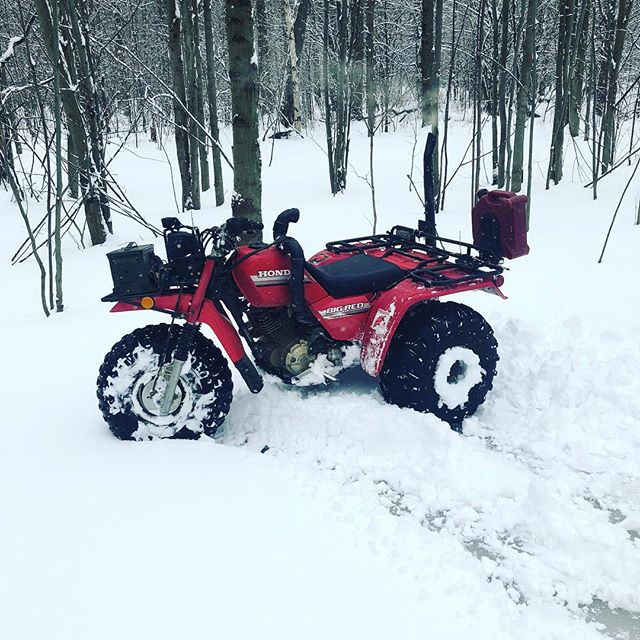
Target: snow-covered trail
543,487
359,519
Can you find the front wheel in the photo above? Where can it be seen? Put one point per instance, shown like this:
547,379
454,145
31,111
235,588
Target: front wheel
129,374
442,360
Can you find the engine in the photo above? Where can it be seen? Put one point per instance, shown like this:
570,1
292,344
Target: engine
287,349
283,348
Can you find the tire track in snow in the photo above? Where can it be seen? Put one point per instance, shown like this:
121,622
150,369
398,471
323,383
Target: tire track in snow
541,491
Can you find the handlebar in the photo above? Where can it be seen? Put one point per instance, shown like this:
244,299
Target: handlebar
224,238
238,226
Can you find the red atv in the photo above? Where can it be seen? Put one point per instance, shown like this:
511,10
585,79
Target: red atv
372,300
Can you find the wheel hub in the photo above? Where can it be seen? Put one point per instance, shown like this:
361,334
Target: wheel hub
149,396
457,372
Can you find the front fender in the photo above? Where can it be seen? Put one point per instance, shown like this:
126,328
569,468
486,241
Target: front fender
219,323
390,307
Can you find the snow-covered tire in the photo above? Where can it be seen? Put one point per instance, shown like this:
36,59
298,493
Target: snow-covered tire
442,360
203,396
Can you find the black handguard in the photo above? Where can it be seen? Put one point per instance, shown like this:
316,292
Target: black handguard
239,226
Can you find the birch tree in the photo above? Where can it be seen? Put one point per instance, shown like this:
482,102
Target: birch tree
293,67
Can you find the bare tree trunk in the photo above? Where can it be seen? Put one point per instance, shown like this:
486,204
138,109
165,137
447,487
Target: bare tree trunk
495,74
608,123
293,67
72,167
191,78
181,119
6,133
477,111
435,100
343,101
356,75
212,96
595,165
518,27
247,185
532,120
202,141
442,187
370,93
502,97
69,100
580,42
430,53
427,47
58,193
262,39
77,14
566,9
299,31
370,85
327,97
523,100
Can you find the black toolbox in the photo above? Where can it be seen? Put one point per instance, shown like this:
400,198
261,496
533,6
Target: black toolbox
135,270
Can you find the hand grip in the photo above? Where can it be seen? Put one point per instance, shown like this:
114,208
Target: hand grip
238,226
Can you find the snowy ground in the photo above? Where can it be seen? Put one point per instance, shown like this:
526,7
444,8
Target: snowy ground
361,520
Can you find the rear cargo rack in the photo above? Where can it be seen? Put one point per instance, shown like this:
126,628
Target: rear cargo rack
435,266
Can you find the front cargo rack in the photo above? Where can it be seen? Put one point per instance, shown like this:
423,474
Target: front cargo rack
435,266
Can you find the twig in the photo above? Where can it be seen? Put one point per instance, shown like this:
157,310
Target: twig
620,162
416,188
616,211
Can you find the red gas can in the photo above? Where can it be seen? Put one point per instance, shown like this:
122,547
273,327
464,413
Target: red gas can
500,224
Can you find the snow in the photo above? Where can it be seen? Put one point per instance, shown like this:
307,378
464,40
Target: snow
359,520
379,331
322,370
455,393
10,50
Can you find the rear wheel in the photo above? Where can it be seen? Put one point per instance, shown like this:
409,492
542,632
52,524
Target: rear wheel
442,360
128,378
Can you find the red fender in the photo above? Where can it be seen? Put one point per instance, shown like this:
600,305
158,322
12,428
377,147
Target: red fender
388,309
219,323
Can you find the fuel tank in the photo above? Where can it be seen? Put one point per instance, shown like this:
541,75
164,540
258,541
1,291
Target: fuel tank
262,275
500,224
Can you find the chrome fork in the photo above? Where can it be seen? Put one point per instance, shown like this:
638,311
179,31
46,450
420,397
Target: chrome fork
171,372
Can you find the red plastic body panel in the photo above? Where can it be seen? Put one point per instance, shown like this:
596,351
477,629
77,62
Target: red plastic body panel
509,211
390,307
357,317
263,278
343,318
196,308
220,324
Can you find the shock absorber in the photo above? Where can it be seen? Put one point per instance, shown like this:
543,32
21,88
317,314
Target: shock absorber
172,371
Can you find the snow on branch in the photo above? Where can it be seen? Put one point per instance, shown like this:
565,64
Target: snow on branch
15,41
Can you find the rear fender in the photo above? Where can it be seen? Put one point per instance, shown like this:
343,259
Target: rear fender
388,310
219,323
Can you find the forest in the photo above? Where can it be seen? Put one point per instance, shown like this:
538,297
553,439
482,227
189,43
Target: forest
334,439
79,80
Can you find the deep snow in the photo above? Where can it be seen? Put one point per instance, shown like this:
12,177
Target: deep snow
359,520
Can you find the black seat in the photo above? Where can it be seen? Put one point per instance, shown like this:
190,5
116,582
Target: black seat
357,274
